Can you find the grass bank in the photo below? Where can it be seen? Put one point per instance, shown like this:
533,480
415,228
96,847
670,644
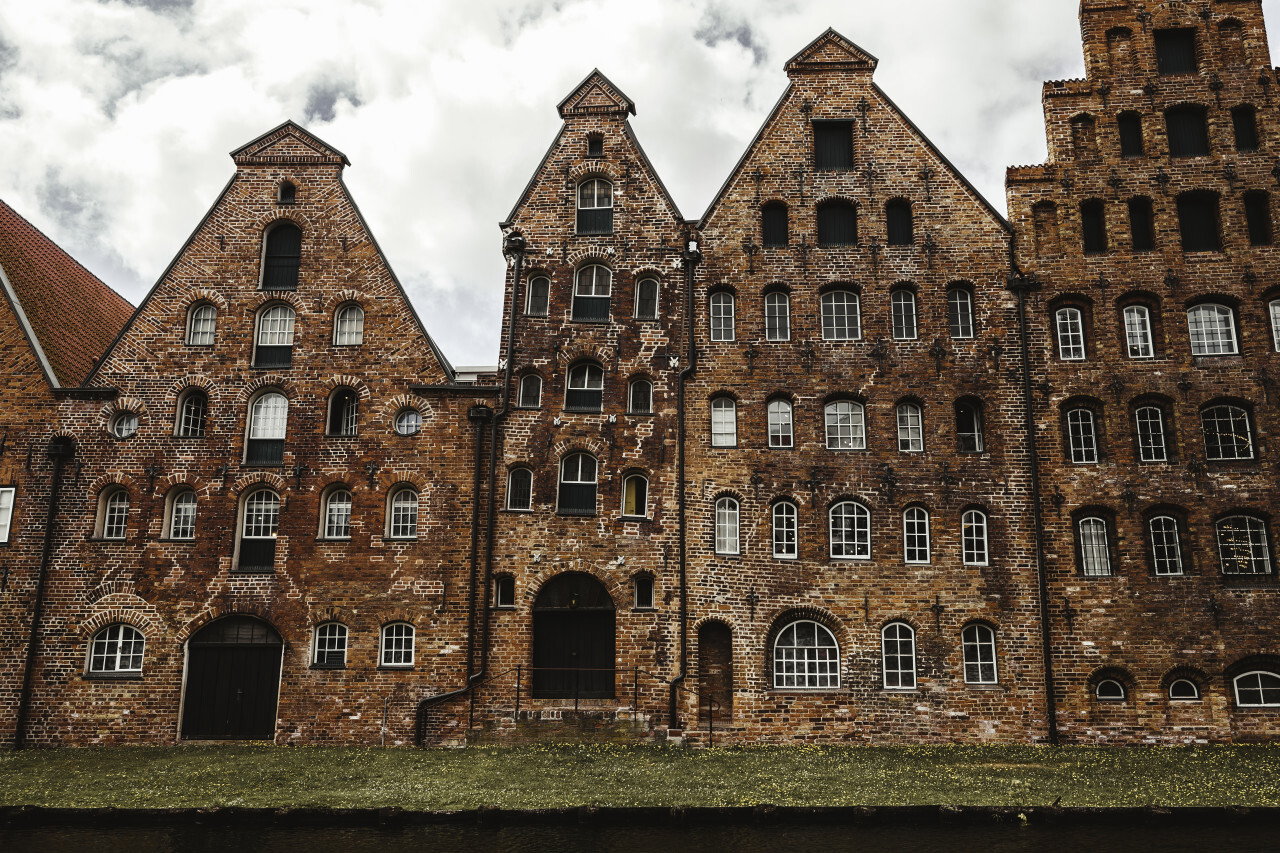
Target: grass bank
538,777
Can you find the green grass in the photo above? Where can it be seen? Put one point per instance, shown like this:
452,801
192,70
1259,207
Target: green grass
536,777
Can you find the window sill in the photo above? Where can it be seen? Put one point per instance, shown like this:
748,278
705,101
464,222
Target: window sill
396,667
570,411
644,610
253,572
399,540
191,540
510,608
518,511
564,513
113,676
338,435
640,414
986,688
635,518
330,666
334,540
604,321
105,539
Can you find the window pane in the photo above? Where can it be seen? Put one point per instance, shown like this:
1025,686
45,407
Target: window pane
268,417
910,429
1212,329
1151,436
349,326
785,530
641,398
979,655
397,645
780,434
1166,549
850,531
520,489
777,317
282,258
1226,433
915,535
115,515
1094,555
969,428
117,648
539,297
261,515
635,497
1242,546
1137,331
182,516
721,317
404,515
275,327
192,416
805,656
960,313
974,534
724,422
841,316
331,645
833,144
898,653
530,396
1070,334
647,299
1274,308
904,315
337,518
846,426
202,325
726,526
1082,436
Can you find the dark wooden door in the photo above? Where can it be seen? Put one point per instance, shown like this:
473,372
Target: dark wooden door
573,639
233,681
715,672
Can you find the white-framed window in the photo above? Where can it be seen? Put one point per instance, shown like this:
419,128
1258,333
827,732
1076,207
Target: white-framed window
402,514
591,291
969,433
193,414
124,425
806,657
642,588
504,592
530,393
910,428
903,307
780,424
7,494
348,325
520,489
202,325
1137,332
1274,310
397,645
960,313
275,337
259,525
1213,330
635,496
726,526
1166,545
846,425
915,535
1242,546
116,650
408,421
337,514
724,422
1227,433
1258,689
577,485
786,530
585,390
331,645
640,397
850,531
344,413
777,316
1152,445
722,316
1184,690
1082,436
898,656
1095,555
1110,690
973,533
647,299
841,316
979,642
268,421
538,297
595,206
114,514
1070,326
182,515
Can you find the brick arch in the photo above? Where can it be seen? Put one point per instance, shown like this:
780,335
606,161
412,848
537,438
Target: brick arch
108,588
343,297
1194,674
649,271
125,404
205,294
588,255
579,352
390,478
212,614
247,481
1118,671
594,169
296,215
566,446
408,401
603,571
119,613
725,619
114,478
269,380
784,616
182,479
355,383
332,613
912,622
827,199
262,298
191,380
390,615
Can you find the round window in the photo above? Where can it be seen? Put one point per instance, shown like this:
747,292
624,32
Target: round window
408,422
124,425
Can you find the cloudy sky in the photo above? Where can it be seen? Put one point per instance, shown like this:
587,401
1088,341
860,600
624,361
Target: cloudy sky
116,116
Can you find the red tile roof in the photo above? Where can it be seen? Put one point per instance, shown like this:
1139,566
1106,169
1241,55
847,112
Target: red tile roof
74,315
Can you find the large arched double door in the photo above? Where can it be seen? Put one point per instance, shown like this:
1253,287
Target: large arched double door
233,681
573,639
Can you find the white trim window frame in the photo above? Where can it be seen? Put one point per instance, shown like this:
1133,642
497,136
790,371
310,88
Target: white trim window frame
1069,322
1082,435
117,649
979,643
841,316
330,647
1212,329
397,646
974,536
898,656
182,515
8,495
960,315
402,514
905,315
785,530
724,422
727,515
1138,336
846,425
1228,434
1152,441
722,319
850,531
910,428
777,316
1095,551
781,425
1243,548
1263,692
337,514
1274,310
916,548
1166,545
348,325
806,656
202,325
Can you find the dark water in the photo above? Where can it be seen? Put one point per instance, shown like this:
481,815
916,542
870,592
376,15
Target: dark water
899,838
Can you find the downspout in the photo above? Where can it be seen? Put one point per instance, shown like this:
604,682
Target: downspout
1022,284
61,449
691,257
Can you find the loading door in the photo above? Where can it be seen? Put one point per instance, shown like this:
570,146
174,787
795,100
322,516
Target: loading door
573,639
233,681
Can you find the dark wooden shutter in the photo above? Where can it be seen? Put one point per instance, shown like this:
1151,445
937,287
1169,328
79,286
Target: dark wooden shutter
1257,212
1141,229
277,356
1198,221
1093,226
265,451
773,218
283,255
1188,132
257,555
1176,51
833,144
897,215
1130,126
595,220
837,224
591,309
1244,121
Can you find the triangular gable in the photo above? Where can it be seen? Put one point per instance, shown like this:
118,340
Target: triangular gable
596,95
831,52
288,143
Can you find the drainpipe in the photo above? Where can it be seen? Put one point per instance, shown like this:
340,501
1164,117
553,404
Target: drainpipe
691,257
61,449
1022,284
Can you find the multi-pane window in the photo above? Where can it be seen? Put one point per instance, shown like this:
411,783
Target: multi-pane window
979,643
115,514
785,530
910,428
846,425
837,224
408,422
1082,436
640,397
647,299
1227,435
1152,445
969,435
344,412
337,515
780,426
898,656
635,496
841,316
1242,546
722,316
1095,556
530,393
903,303
182,515
850,531
726,532
258,532
116,649
960,313
1213,330
124,425
520,489
777,316
402,514
268,419
1257,689
348,326
331,645
1070,326
805,656
915,535
202,325
275,337
585,392
193,415
1137,332
1274,310
591,291
577,485
538,298
595,207
773,225
282,257
6,512
973,535
724,422
1166,545
397,645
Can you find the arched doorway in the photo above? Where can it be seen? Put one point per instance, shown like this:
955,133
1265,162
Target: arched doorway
715,671
233,681
573,639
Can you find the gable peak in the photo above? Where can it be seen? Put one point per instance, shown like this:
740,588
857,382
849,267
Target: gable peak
831,52
596,95
288,143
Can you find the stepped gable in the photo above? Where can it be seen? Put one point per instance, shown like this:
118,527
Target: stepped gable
596,95
288,143
73,314
831,52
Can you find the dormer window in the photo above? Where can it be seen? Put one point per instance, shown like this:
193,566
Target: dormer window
288,193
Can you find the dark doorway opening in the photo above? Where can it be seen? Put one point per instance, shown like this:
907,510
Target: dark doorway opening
573,639
233,681
715,672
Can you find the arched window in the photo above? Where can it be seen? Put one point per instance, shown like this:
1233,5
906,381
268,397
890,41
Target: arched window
1153,444
960,313
898,656
642,591
1095,554
806,657
1093,226
1259,689
785,530
595,207
915,536
202,323
193,414
969,433
647,299
724,422
722,316
337,514
1184,690
773,225
1142,229
113,514
116,650
898,224
1257,215
1274,310
1242,546
1198,221
520,489
331,645
846,424
1227,433
726,532
1166,545
973,535
504,592
538,300
837,224
1188,131
268,420
1129,124
348,325
850,531
777,316
1139,341
286,193
397,645
585,392
903,304
282,257
910,428
1110,690
841,316
259,525
635,496
530,395
275,337
640,397
124,425
1082,436
591,291
408,421
979,643
344,412
1244,121
182,515
780,426
402,514
577,485
1212,329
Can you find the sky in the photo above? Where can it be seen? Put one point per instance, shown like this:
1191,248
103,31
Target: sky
117,116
